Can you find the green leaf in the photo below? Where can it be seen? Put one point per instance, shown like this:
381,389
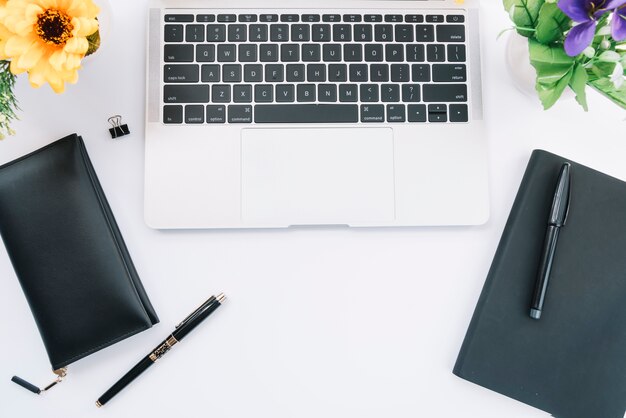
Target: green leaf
578,83
550,93
552,23
94,43
609,56
546,57
524,14
606,88
603,69
554,71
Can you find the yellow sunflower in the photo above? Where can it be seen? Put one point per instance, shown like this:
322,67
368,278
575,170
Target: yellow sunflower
46,38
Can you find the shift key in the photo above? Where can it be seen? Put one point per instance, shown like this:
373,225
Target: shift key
186,93
442,93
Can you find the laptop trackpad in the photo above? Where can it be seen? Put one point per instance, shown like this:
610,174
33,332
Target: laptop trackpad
306,176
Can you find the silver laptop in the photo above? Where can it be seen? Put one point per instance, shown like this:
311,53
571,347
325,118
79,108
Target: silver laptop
283,113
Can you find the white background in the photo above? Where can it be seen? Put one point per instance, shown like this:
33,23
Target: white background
320,322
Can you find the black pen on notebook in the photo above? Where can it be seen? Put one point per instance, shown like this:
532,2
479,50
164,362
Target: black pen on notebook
182,329
558,216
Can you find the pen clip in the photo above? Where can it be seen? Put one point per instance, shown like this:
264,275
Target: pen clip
196,312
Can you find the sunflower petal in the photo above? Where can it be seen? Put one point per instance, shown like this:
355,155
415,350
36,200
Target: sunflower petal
30,58
23,28
4,35
83,8
17,45
47,4
57,84
36,76
32,12
64,4
73,62
71,77
57,59
15,69
76,46
84,26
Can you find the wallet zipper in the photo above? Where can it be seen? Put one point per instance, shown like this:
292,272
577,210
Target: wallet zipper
60,375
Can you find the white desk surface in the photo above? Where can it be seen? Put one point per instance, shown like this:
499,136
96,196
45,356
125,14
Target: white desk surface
320,322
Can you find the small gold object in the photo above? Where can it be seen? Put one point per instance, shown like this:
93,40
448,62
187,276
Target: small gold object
98,404
163,348
61,373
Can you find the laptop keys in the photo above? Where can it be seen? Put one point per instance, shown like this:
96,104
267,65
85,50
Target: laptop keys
179,18
314,68
372,113
216,114
194,33
248,18
215,33
178,53
450,33
306,113
240,114
194,114
437,113
173,114
174,33
184,73
186,93
444,92
227,18
449,73
458,113
395,113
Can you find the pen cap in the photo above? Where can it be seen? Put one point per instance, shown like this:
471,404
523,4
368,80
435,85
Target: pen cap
187,326
560,204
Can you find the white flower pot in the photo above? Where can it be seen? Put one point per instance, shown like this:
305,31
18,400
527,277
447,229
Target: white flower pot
522,73
518,63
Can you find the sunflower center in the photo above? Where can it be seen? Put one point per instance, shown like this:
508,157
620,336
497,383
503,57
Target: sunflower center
54,27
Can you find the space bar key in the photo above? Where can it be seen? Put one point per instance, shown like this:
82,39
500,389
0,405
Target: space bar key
306,113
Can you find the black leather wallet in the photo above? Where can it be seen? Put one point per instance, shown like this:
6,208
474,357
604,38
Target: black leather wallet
68,253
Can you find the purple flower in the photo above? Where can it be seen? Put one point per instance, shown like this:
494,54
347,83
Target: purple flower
618,25
586,14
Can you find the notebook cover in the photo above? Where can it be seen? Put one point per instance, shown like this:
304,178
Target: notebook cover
68,253
572,362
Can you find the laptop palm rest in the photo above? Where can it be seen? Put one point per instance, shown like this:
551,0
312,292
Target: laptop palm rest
317,176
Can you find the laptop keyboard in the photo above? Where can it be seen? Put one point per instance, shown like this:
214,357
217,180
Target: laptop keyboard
314,68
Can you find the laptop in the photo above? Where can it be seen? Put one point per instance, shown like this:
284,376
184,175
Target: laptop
263,114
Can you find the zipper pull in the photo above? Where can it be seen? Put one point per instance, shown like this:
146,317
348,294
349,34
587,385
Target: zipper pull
61,373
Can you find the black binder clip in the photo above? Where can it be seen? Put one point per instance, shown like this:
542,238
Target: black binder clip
117,130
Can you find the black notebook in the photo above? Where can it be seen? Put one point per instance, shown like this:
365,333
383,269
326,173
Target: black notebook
572,362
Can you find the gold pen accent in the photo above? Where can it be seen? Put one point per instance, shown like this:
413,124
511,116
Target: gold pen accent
98,404
163,348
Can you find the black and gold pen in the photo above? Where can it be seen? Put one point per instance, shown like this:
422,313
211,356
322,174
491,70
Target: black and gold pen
182,329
